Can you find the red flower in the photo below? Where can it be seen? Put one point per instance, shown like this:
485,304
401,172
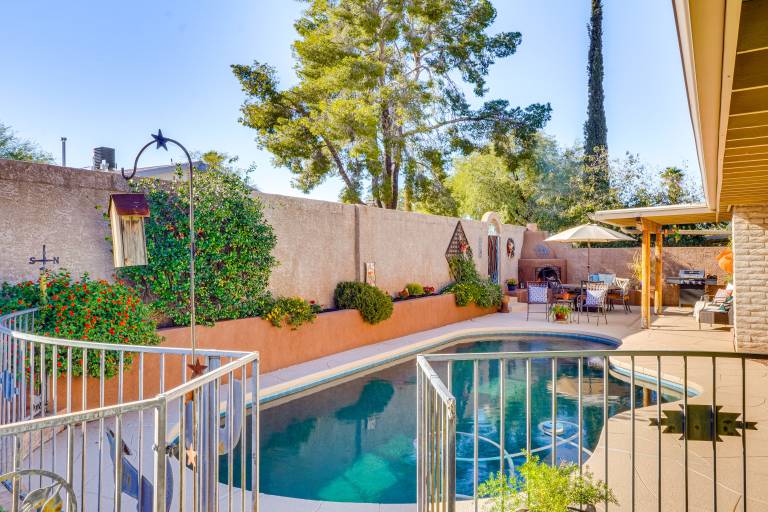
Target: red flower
112,330
56,329
122,322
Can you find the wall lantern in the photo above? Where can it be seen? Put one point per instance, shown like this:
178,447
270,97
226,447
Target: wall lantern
126,214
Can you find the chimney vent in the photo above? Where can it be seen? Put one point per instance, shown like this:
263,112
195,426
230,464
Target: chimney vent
106,155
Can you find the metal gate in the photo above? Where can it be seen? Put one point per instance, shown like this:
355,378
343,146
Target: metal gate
493,258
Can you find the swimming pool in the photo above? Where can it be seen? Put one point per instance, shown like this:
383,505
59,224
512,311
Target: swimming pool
354,442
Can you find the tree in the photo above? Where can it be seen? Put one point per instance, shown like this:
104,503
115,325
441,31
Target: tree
379,100
527,185
595,127
673,187
13,148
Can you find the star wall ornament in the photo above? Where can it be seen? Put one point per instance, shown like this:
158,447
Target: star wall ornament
160,139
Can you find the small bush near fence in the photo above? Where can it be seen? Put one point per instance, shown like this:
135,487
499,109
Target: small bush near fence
469,287
87,310
291,311
374,305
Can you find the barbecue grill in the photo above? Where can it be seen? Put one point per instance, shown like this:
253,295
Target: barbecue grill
692,285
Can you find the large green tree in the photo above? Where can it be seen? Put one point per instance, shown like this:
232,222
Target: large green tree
533,187
595,127
380,99
14,148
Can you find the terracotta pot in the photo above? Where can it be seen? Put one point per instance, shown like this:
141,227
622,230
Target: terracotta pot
560,317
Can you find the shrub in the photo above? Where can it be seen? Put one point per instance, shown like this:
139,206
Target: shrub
469,287
538,487
233,258
84,310
462,268
373,304
291,311
414,289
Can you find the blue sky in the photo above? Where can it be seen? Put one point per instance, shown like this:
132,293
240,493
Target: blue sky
109,73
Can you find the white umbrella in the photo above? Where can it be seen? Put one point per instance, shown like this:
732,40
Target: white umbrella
589,233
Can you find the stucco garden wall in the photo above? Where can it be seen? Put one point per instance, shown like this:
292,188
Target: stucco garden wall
320,243
52,205
750,260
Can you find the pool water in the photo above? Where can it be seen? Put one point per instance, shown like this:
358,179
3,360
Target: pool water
355,442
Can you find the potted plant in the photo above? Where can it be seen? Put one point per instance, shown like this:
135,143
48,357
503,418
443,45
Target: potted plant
561,312
511,284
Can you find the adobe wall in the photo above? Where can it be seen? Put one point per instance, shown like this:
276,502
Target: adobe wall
319,243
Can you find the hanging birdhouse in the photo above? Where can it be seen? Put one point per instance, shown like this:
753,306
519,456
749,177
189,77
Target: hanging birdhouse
126,214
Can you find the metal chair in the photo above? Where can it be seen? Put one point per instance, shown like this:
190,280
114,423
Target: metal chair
622,295
594,296
538,293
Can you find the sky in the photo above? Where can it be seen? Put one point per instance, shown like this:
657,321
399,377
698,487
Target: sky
111,73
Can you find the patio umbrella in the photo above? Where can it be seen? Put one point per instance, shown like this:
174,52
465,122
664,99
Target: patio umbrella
589,233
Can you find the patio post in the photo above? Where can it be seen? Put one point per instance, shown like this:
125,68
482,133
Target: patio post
658,296
645,267
645,303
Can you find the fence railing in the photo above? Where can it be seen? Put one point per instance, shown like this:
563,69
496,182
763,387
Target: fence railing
638,420
95,426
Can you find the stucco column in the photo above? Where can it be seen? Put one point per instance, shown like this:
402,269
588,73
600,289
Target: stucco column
750,276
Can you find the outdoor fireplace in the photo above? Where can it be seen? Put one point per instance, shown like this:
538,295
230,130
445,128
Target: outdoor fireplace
538,261
549,273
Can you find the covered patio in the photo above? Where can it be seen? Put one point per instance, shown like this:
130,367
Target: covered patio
653,223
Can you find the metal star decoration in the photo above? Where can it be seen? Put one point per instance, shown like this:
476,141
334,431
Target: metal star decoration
197,368
191,456
160,139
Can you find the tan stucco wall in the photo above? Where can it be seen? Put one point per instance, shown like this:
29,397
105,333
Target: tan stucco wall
320,243
750,272
46,204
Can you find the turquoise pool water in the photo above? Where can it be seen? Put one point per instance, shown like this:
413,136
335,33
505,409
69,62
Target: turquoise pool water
354,442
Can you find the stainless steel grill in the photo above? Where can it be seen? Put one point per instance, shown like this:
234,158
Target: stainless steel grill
692,285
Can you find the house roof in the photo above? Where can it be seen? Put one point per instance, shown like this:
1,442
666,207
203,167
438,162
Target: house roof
724,51
661,215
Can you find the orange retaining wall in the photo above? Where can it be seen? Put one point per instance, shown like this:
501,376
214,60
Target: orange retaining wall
330,333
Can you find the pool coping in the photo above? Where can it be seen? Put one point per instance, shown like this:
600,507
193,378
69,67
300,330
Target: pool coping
319,379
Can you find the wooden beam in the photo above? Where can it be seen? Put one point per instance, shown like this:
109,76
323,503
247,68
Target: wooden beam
645,302
659,270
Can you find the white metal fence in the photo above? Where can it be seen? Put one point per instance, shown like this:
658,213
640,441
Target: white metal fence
147,438
677,415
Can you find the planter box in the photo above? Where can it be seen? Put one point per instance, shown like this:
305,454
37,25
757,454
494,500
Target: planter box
330,333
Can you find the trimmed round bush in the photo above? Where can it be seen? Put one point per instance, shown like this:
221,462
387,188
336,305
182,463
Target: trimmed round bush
374,305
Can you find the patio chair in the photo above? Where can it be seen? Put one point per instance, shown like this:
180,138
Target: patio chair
715,311
594,295
622,294
538,293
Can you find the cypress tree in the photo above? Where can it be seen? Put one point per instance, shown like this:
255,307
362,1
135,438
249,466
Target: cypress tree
595,128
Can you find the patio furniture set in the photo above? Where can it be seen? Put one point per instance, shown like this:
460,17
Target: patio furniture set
589,298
